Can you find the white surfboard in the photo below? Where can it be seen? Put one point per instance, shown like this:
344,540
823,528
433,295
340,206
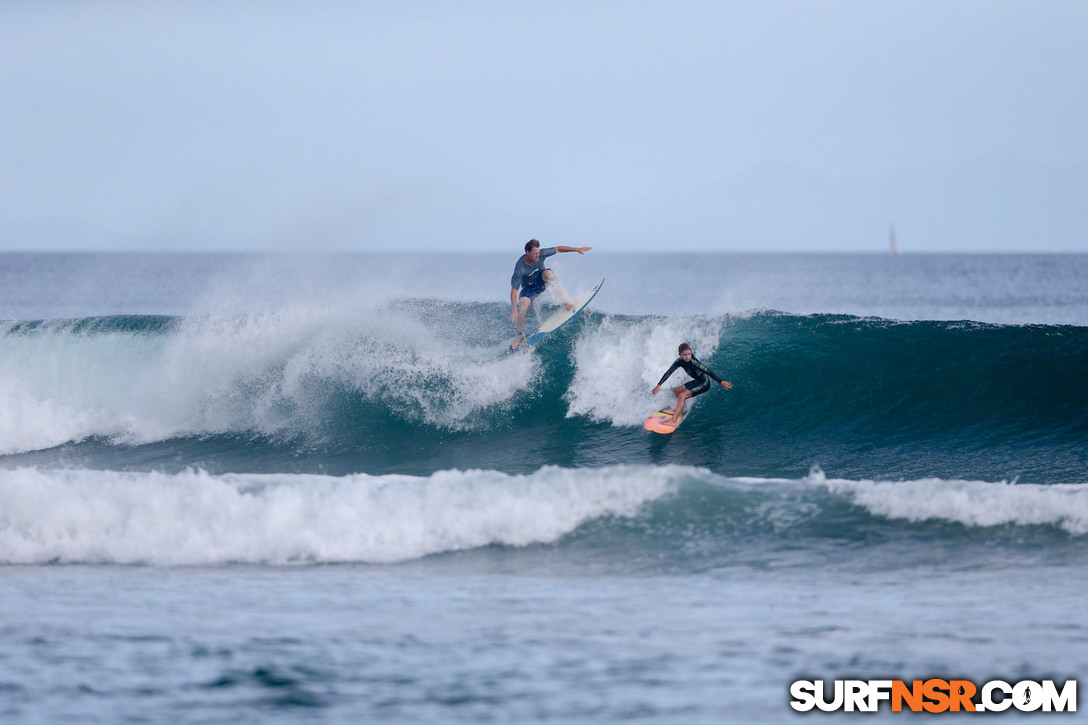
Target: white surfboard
557,319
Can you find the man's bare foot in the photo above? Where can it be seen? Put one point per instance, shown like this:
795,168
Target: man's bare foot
569,306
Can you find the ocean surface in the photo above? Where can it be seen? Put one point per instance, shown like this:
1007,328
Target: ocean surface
287,488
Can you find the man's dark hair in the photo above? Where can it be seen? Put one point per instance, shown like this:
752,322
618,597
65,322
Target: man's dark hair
530,244
683,346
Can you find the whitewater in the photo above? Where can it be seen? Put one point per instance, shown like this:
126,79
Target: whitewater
283,489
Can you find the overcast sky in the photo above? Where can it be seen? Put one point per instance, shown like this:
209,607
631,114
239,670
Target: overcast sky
732,126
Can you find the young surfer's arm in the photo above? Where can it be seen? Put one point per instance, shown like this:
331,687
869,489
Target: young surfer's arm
724,383
580,250
705,370
514,304
670,371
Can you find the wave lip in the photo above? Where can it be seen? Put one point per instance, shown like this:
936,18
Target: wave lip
195,518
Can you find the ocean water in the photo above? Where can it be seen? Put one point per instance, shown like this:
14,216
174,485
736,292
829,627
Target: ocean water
239,488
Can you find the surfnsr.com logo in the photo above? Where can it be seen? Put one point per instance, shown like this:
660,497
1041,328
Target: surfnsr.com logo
934,695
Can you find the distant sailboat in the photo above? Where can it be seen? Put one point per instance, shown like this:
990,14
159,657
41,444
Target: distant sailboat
893,248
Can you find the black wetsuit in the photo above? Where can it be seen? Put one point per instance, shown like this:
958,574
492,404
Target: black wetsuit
700,373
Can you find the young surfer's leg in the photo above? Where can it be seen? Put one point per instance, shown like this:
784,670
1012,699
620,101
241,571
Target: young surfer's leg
682,394
689,389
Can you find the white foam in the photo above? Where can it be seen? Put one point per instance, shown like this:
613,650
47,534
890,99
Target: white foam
971,503
29,423
252,372
619,363
194,518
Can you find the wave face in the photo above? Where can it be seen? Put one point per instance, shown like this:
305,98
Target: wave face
677,518
421,386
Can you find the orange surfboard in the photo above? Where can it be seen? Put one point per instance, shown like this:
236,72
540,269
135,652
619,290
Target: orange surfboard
657,422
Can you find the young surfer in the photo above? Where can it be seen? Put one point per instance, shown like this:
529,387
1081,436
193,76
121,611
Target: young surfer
699,384
532,278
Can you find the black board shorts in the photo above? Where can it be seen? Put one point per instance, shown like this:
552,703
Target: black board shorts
697,387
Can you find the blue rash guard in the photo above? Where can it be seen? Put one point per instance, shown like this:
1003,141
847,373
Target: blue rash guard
530,277
700,374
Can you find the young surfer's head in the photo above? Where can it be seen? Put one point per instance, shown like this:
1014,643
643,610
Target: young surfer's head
532,250
684,348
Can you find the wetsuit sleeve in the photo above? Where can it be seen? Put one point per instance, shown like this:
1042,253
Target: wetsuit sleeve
547,252
516,279
705,369
669,372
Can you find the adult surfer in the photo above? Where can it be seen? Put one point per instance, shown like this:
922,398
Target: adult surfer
699,384
532,278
